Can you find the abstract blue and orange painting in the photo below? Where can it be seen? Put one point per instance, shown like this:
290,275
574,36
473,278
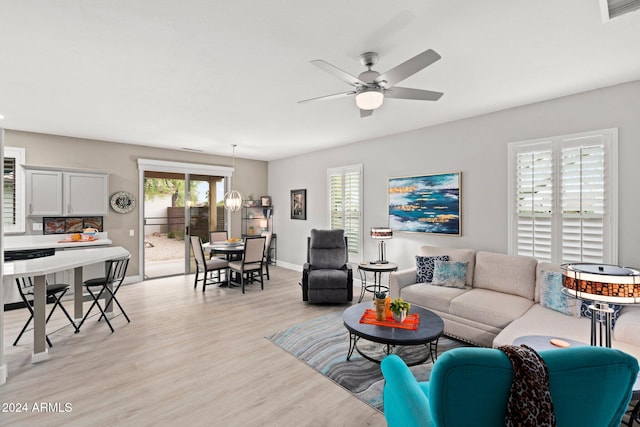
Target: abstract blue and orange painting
427,204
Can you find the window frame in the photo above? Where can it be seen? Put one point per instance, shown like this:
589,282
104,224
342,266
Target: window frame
609,140
343,170
17,153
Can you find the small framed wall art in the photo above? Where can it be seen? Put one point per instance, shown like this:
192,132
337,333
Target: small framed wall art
265,201
299,204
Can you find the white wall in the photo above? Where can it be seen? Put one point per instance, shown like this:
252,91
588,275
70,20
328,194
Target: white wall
478,148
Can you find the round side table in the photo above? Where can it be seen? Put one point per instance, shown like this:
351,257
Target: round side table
377,270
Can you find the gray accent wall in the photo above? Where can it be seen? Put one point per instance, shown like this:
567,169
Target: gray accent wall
477,147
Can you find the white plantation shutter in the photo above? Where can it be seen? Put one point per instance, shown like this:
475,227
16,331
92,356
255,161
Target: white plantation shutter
13,190
534,187
345,212
583,200
563,196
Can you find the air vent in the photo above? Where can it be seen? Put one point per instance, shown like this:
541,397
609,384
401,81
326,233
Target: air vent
615,8
195,150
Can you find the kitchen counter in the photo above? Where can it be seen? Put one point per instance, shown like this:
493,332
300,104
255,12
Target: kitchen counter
16,243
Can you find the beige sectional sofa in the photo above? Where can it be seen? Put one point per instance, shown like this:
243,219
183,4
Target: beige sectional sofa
501,302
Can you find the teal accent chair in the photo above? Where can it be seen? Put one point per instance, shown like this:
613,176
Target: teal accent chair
590,386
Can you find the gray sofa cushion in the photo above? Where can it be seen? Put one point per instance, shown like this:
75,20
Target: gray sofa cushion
509,274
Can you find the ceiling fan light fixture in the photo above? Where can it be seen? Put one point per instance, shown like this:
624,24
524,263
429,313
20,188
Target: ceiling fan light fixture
369,98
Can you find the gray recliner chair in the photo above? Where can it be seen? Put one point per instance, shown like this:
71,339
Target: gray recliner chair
326,277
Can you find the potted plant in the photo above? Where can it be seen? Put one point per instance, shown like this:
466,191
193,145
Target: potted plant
399,308
379,302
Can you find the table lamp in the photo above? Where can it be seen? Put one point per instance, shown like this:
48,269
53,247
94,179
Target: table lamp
603,284
381,234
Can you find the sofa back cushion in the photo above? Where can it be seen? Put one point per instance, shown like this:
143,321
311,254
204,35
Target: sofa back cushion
454,254
510,274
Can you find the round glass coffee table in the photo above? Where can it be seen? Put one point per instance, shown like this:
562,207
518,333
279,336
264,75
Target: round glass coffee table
429,330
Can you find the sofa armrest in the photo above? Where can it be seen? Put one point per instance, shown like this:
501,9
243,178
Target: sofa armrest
627,328
400,279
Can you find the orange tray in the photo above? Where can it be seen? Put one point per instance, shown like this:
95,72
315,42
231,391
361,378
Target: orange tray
411,322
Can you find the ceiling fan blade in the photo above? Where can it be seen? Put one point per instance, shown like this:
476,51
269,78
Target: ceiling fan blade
342,75
407,68
408,93
334,96
365,113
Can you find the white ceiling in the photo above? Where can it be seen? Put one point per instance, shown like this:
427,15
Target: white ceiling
204,74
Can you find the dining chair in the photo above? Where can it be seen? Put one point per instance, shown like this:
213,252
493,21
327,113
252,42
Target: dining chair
206,266
116,270
55,291
217,236
252,261
267,250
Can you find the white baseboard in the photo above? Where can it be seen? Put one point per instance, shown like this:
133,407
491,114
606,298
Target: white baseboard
289,266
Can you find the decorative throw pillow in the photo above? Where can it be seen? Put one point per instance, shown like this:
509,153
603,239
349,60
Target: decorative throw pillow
586,312
449,273
424,267
552,297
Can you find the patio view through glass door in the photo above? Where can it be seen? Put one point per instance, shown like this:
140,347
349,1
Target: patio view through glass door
177,205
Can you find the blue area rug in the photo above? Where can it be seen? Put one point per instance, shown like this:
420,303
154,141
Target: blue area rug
323,344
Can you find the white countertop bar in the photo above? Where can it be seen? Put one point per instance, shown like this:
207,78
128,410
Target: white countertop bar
62,260
17,243
40,267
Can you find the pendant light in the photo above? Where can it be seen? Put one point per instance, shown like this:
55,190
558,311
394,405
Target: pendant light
233,198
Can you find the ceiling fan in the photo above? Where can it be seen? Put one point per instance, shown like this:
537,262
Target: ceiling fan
371,87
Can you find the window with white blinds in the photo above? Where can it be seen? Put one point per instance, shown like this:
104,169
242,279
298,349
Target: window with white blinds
13,190
563,198
345,204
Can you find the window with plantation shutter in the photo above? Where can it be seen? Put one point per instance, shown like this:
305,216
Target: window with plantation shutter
345,205
563,198
13,191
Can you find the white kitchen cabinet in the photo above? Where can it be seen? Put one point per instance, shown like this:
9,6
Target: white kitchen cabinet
54,192
86,194
44,193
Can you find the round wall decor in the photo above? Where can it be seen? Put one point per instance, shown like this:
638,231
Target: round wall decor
123,202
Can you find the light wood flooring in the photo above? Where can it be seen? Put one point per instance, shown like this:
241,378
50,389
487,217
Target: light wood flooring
187,358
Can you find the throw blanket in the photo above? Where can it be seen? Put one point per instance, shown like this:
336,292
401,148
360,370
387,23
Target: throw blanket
529,401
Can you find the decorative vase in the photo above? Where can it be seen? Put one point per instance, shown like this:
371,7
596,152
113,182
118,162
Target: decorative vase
387,309
380,308
400,317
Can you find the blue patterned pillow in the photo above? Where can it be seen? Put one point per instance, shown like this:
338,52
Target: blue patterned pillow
424,267
552,297
585,312
449,273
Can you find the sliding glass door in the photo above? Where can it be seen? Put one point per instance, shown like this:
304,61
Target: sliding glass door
177,205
